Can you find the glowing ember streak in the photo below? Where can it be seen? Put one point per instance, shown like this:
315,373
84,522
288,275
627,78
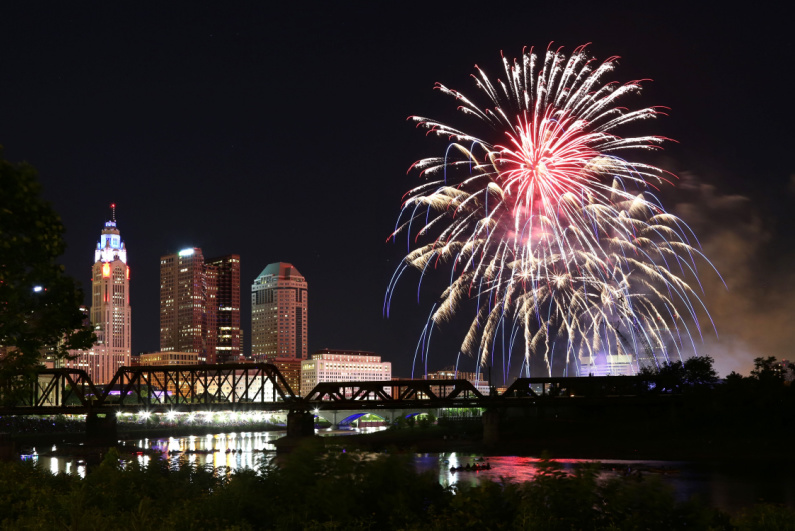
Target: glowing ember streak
559,239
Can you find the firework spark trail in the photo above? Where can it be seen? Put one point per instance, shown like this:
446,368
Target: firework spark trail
545,225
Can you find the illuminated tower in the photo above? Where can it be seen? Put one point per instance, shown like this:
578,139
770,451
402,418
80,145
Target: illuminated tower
188,305
110,308
226,270
279,313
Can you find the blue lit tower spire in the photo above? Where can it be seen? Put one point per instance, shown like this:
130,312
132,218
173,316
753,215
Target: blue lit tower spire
110,247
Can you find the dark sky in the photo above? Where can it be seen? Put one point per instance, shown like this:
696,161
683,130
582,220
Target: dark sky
280,133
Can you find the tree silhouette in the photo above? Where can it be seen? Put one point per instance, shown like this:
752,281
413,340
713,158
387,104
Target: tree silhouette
39,303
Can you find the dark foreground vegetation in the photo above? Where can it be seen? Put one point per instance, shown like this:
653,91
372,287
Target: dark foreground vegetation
313,489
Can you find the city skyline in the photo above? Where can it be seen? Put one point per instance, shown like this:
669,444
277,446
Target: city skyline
280,134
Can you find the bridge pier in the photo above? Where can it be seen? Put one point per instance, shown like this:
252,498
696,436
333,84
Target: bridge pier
300,428
300,424
491,427
101,429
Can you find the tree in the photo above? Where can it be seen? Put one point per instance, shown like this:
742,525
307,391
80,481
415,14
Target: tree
673,376
668,377
699,371
39,303
768,371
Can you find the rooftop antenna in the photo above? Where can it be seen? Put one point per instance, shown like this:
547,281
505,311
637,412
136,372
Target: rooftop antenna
113,212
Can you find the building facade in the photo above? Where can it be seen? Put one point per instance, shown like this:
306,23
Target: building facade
235,384
290,369
279,314
229,335
608,364
343,366
181,384
157,359
188,304
110,313
476,378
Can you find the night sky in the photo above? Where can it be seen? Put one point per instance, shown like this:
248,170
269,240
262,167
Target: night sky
280,134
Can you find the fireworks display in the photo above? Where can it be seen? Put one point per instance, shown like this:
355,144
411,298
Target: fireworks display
558,239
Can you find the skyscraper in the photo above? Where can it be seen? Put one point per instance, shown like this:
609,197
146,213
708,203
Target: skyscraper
110,308
279,313
226,270
188,304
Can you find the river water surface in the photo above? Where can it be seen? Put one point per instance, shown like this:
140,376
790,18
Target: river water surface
726,486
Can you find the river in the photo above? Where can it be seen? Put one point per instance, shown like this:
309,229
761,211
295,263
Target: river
723,486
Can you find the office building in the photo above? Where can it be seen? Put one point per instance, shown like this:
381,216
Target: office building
188,304
279,314
180,383
343,366
608,364
110,308
450,373
229,336
290,369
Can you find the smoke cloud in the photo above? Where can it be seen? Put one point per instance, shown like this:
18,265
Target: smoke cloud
753,311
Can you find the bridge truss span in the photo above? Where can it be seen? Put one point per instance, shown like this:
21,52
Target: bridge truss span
260,386
582,387
394,393
187,387
61,388
241,386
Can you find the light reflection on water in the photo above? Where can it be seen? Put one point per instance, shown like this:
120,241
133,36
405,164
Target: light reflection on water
726,487
519,469
231,451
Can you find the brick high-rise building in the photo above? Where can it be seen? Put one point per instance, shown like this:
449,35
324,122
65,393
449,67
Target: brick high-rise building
279,313
228,332
188,304
110,308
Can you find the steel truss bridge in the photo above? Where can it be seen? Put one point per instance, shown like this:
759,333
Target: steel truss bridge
260,386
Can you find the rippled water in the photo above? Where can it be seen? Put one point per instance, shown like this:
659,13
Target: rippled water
726,487
234,450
